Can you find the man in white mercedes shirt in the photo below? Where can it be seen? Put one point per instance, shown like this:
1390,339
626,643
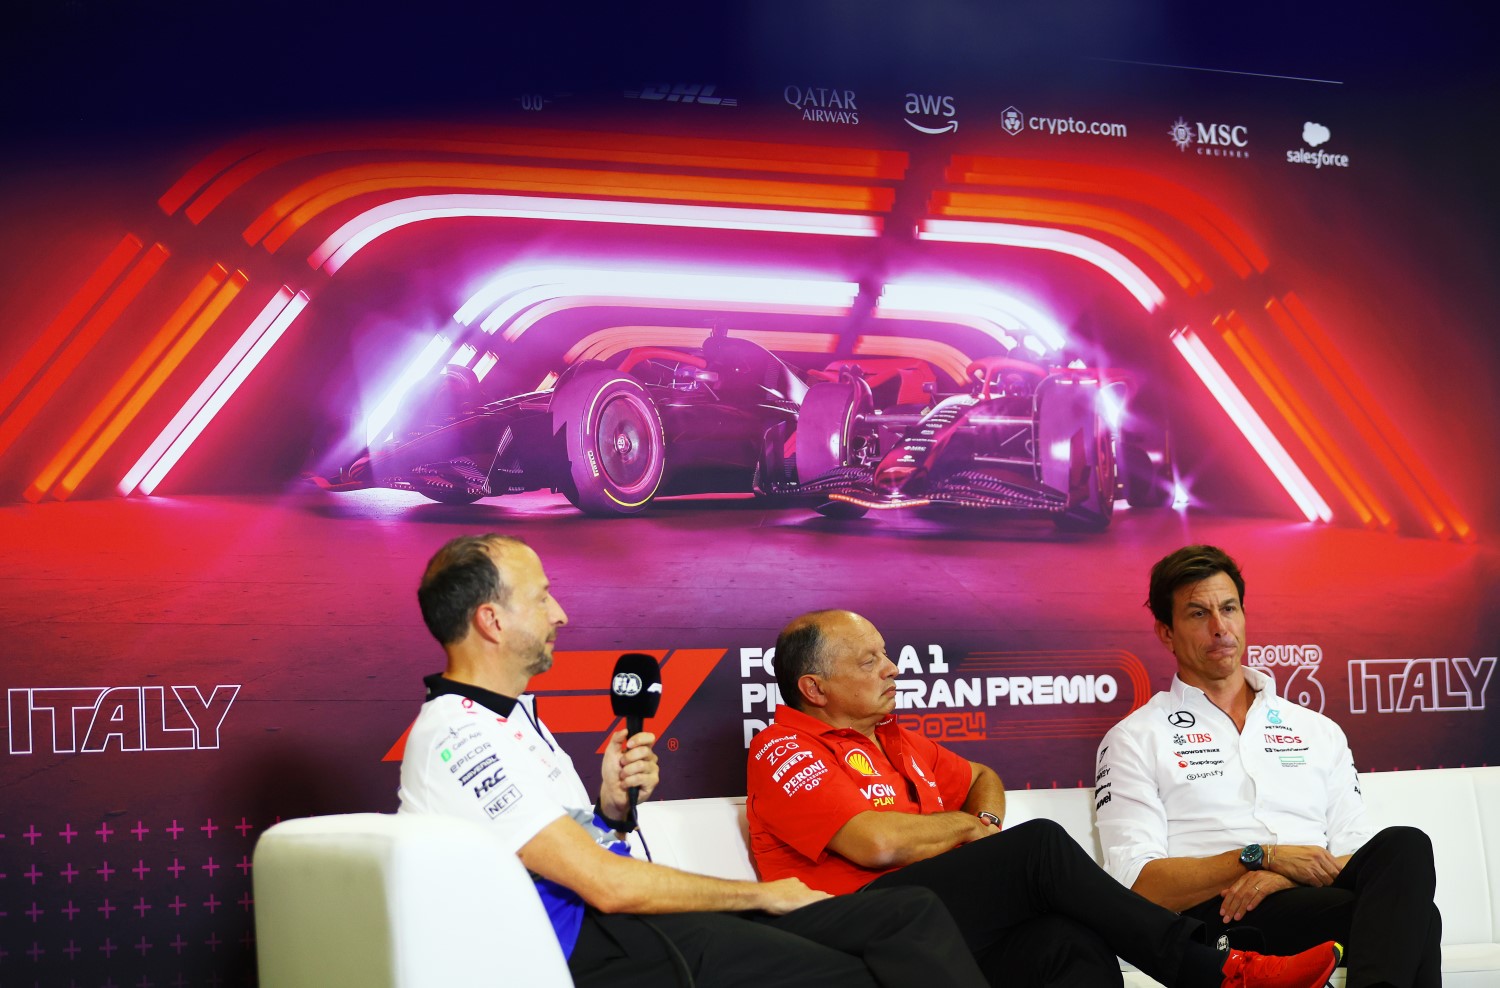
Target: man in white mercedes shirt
478,751
1224,801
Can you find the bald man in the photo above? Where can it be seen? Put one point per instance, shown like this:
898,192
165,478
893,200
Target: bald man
479,751
845,800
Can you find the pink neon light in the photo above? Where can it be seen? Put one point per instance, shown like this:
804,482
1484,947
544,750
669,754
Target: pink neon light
353,236
1102,256
1254,428
200,397
231,384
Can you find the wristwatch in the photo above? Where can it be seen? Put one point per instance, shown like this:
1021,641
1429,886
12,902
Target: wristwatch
988,818
1253,856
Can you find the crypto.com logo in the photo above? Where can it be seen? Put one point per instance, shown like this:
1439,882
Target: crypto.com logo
89,719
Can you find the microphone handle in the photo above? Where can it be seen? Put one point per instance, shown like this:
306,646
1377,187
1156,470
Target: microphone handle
634,724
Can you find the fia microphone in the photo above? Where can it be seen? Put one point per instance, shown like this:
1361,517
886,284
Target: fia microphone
635,693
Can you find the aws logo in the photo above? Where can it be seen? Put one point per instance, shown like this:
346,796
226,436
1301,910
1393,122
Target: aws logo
573,697
939,110
860,762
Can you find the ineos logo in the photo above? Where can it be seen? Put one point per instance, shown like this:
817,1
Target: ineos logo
1181,718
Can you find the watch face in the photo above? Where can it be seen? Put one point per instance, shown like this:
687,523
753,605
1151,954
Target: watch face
1251,856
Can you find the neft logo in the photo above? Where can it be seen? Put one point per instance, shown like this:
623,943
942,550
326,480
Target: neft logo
1314,135
934,108
1401,685
823,105
64,720
1213,140
682,92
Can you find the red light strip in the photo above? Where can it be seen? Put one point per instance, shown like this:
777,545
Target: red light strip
57,331
1251,425
295,209
1203,217
1114,222
158,448
1360,407
62,368
91,423
240,163
169,363
1375,512
1231,333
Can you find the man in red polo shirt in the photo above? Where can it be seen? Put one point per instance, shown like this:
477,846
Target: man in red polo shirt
844,799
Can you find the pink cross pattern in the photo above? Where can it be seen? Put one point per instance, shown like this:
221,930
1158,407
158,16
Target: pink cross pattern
245,865
32,874
178,943
69,872
106,909
141,869
35,952
209,828
108,946
143,945
140,830
67,833
212,903
72,950
177,868
103,832
244,827
177,905
213,942
34,912
32,834
106,871
246,902
142,907
71,911
174,830
211,867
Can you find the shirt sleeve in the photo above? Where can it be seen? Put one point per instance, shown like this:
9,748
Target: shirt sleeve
797,795
954,773
486,778
1348,826
1131,818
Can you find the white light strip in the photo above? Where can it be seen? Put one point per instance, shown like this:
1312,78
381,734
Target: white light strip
1254,428
353,236
231,384
200,397
1005,312
464,356
1102,256
486,364
386,409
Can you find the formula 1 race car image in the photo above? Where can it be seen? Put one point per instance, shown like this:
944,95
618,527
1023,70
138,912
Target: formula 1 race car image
664,421
1021,437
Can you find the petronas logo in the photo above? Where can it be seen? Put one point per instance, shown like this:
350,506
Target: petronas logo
860,762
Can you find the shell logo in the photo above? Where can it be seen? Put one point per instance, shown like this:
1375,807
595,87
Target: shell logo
860,762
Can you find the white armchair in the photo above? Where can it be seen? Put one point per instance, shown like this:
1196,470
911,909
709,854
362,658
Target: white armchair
397,901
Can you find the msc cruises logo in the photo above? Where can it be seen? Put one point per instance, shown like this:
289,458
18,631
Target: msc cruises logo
1214,140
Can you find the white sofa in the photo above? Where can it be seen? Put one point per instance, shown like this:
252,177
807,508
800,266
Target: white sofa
328,911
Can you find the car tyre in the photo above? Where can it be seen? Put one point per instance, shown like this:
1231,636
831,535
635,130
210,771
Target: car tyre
614,439
1094,511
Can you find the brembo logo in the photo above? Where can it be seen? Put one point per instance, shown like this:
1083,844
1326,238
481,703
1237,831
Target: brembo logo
64,720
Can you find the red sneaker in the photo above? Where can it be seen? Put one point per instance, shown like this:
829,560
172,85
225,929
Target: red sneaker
1309,969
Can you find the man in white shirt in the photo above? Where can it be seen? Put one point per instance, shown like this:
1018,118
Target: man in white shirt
1226,802
478,751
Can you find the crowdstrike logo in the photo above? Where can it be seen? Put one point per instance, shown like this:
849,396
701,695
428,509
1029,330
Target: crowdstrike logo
1211,140
940,114
1314,135
820,104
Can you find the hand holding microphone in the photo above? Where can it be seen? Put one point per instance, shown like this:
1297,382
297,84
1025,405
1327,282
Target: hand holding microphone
634,693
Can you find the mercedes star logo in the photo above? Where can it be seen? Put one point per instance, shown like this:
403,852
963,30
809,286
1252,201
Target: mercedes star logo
1181,718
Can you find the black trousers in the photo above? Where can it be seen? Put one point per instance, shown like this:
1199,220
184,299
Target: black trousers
1037,910
899,938
1380,908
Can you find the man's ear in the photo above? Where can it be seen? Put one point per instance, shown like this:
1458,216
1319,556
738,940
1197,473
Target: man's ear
812,690
1164,634
486,622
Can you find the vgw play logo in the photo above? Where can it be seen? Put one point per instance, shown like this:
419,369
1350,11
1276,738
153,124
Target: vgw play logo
936,113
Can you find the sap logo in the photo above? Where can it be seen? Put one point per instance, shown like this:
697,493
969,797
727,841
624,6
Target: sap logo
1399,685
682,92
782,770
926,105
62,720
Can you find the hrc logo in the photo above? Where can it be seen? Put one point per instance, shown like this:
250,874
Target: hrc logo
860,762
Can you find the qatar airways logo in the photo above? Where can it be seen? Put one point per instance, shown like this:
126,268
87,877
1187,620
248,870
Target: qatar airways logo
91,719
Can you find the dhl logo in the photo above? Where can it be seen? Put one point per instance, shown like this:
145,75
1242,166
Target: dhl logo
573,697
860,762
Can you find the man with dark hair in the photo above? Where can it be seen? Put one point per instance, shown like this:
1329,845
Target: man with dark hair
846,800
1227,802
479,752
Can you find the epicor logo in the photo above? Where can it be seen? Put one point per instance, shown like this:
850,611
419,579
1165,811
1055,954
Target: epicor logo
63,720
860,762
